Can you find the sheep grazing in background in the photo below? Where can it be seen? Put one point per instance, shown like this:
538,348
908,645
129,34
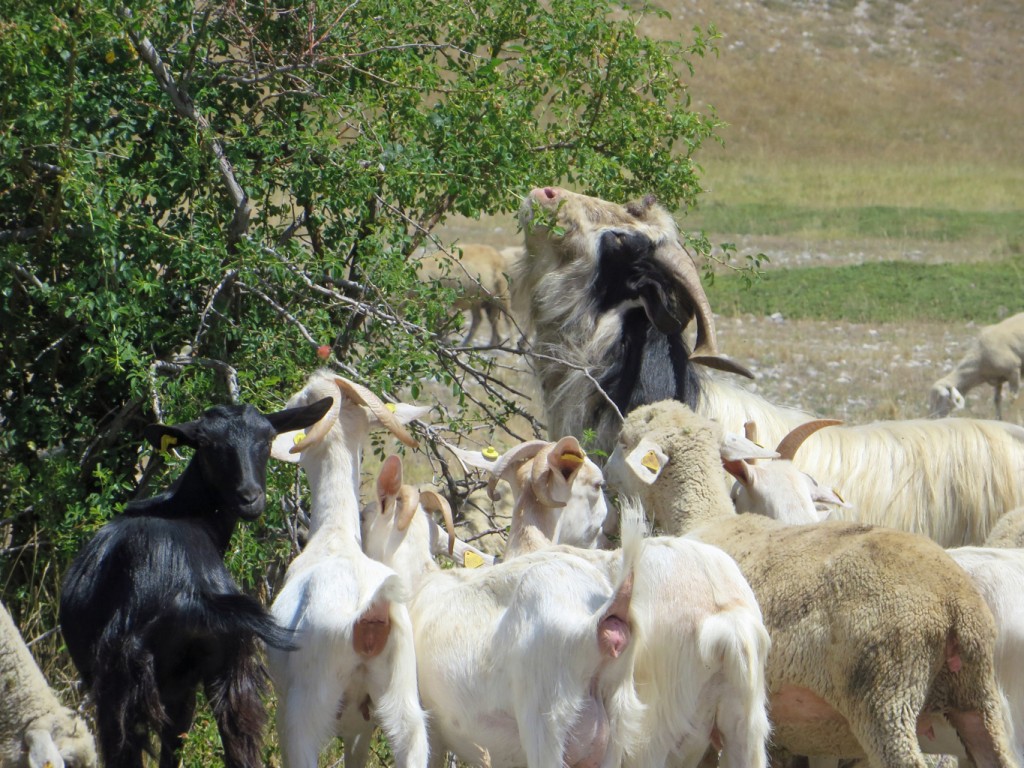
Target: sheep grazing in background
948,479
36,730
700,665
149,611
995,357
528,662
356,667
477,273
779,491
875,633
607,290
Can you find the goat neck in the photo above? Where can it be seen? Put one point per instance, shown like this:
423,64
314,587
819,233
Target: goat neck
332,469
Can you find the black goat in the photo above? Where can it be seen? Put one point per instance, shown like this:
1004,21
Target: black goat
149,611
607,290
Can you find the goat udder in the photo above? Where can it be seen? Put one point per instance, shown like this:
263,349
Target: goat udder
613,636
587,741
372,631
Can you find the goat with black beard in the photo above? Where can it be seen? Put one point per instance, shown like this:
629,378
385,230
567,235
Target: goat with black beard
607,290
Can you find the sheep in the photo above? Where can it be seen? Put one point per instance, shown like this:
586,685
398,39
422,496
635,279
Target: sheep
948,479
36,730
995,357
149,611
528,662
1008,530
700,667
607,290
875,633
356,667
780,491
478,275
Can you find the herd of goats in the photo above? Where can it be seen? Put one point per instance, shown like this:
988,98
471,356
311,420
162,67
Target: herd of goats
850,592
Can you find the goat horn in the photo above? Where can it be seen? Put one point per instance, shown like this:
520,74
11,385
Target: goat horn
433,501
408,503
511,457
790,443
319,431
705,350
750,432
363,396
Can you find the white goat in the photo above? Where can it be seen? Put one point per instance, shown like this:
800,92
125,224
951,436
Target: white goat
995,357
700,668
356,664
528,662
778,490
36,730
477,273
948,479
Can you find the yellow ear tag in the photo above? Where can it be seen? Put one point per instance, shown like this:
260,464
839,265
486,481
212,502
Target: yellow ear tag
473,560
298,438
650,460
167,441
838,496
390,407
489,453
573,458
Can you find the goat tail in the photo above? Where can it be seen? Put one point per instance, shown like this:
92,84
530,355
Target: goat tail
735,641
237,613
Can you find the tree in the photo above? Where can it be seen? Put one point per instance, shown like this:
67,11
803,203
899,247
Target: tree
194,197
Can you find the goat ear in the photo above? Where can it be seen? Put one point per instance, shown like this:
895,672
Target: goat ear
958,399
553,478
282,445
389,480
821,494
300,417
737,448
42,751
485,459
739,469
646,461
164,437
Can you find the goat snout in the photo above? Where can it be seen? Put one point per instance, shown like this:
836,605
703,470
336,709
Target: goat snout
250,502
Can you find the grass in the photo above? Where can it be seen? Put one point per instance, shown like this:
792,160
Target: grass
884,292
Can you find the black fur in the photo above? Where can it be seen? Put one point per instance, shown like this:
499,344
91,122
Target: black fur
653,363
150,612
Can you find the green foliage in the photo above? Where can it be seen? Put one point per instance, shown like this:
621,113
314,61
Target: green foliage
880,292
194,197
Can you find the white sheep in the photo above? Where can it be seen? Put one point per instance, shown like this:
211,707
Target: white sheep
778,490
1008,530
477,273
356,666
36,730
528,662
948,479
607,290
700,667
875,633
995,356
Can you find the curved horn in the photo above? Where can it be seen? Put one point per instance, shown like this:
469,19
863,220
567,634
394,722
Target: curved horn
363,396
433,501
554,491
408,503
750,432
318,431
705,351
790,443
512,457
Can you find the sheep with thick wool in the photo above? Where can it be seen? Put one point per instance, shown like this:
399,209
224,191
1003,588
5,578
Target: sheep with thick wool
995,356
948,479
776,489
874,632
36,730
700,667
477,273
355,668
607,290
527,662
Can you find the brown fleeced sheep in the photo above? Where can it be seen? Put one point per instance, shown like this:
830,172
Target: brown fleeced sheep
36,730
995,357
875,632
477,273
